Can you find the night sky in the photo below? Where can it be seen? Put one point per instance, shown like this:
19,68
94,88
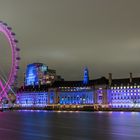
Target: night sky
67,35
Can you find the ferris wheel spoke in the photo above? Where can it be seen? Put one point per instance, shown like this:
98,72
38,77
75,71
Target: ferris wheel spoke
3,91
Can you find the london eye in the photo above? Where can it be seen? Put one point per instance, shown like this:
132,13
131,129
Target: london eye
7,83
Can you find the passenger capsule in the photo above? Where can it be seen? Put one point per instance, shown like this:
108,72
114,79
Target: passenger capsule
16,41
17,49
17,58
17,67
9,28
5,24
13,33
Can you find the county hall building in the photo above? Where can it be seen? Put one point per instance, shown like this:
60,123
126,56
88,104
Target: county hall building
43,87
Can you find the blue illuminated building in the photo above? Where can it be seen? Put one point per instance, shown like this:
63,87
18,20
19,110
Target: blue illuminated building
31,75
86,76
63,93
39,74
125,94
31,99
35,73
100,93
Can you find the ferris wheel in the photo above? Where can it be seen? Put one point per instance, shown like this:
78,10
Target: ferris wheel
5,86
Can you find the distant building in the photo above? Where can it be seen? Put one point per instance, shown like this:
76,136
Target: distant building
65,93
125,93
86,76
100,93
40,74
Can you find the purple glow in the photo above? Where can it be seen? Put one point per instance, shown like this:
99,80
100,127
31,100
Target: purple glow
2,87
13,71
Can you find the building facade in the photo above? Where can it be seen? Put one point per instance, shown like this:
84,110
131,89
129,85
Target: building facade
125,93
65,94
99,93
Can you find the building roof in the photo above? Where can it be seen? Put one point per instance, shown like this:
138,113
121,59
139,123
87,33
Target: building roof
126,81
100,81
56,84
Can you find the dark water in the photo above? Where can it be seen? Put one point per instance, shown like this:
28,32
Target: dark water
29,125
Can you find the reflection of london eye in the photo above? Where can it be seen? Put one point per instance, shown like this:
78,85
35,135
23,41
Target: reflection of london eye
6,82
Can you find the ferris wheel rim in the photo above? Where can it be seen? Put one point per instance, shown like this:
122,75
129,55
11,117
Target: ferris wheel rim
10,36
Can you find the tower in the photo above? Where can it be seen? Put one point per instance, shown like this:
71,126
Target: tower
110,78
86,76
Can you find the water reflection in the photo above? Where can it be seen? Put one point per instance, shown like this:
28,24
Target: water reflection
44,125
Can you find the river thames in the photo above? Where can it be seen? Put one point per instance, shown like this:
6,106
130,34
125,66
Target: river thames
43,125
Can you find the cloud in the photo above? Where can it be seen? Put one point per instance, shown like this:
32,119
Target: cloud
69,34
